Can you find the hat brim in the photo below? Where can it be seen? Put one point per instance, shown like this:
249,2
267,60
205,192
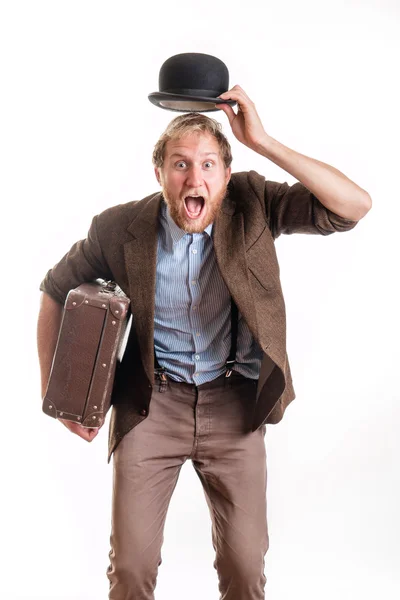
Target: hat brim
182,103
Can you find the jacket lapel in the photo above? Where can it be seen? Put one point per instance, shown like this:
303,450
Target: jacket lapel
230,251
140,263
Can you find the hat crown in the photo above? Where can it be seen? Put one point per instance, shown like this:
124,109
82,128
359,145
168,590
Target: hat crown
194,73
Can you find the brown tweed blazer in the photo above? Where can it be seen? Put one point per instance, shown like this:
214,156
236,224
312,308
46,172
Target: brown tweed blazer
122,245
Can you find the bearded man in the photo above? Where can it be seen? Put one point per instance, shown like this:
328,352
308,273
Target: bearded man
205,368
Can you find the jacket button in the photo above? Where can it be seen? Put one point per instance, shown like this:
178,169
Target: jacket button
143,412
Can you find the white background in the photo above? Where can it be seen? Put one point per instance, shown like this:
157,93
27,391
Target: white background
77,133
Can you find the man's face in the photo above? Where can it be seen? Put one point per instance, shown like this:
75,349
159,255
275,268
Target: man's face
194,180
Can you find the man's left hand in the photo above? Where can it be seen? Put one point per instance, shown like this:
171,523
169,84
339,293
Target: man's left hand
246,124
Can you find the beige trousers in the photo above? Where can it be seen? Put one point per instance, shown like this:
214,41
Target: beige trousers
211,425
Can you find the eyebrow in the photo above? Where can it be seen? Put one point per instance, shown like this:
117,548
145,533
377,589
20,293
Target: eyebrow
202,154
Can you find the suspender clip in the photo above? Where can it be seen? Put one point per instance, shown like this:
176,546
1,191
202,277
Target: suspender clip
230,363
229,367
162,379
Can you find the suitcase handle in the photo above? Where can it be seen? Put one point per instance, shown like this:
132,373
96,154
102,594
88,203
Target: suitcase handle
110,286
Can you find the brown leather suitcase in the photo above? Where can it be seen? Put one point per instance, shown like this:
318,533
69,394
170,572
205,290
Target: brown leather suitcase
92,337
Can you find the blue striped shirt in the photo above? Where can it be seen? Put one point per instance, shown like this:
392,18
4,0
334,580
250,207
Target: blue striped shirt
192,325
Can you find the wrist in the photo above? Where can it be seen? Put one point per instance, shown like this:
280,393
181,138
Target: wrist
265,145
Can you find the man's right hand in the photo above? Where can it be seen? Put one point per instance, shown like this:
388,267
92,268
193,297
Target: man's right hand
87,433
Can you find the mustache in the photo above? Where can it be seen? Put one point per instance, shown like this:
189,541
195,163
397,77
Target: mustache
168,199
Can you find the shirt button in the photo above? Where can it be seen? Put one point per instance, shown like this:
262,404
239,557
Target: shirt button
194,281
198,333
143,412
195,375
194,307
194,251
197,356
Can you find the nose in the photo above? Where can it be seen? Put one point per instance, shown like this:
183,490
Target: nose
195,176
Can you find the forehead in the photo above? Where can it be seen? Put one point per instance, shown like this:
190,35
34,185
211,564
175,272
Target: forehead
192,144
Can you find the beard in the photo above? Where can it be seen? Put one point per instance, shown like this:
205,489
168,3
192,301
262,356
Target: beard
209,213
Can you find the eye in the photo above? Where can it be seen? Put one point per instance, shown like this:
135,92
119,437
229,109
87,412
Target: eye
209,162
181,162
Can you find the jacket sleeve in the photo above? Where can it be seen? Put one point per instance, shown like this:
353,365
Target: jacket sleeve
294,209
84,262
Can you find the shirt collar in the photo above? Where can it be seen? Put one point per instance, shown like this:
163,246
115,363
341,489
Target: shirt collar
176,232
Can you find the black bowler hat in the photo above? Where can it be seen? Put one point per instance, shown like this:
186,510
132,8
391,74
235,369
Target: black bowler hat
191,82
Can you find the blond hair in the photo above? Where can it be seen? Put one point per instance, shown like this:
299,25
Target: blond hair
191,123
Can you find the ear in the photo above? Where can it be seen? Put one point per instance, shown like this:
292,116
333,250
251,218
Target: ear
228,172
158,175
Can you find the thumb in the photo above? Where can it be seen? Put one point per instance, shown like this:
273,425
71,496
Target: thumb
228,110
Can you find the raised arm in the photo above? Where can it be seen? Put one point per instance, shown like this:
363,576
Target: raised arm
334,190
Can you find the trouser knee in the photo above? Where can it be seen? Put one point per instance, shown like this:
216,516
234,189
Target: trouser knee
132,580
242,572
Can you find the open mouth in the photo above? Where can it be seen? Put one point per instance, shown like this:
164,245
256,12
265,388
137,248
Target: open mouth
194,206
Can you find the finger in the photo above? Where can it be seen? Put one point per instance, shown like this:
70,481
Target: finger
88,434
93,432
71,425
228,110
243,101
242,92
85,433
